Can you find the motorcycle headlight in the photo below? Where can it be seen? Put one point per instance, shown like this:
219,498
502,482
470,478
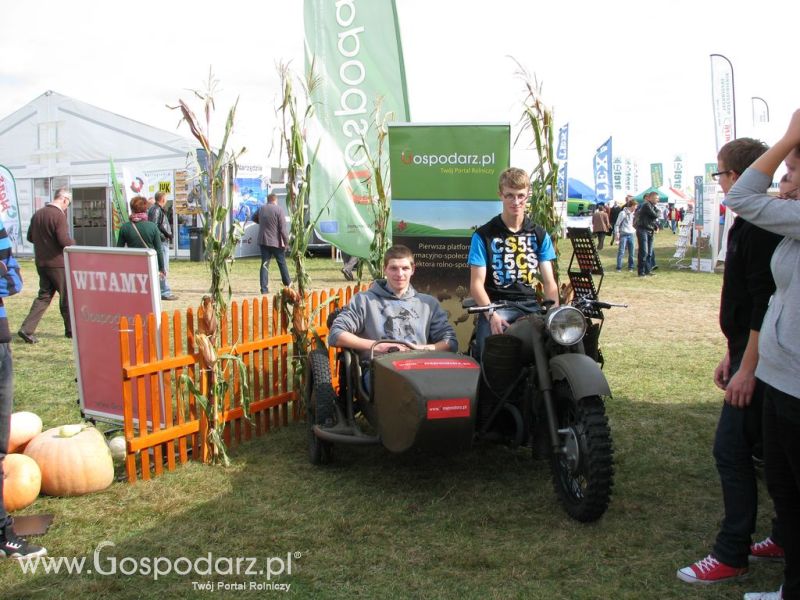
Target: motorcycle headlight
566,325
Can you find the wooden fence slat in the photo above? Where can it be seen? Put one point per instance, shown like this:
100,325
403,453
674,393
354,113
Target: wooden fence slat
179,408
167,388
140,390
155,391
127,399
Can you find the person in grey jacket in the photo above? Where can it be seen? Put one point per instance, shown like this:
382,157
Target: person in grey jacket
779,341
392,309
273,237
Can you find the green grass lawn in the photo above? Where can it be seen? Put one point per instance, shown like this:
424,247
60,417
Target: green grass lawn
485,524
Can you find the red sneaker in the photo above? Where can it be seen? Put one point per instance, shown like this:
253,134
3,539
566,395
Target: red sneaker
710,570
765,550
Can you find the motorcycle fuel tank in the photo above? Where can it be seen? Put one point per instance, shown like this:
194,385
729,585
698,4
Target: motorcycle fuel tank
426,400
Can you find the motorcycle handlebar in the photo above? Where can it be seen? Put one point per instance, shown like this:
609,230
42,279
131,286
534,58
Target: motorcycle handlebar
469,304
597,303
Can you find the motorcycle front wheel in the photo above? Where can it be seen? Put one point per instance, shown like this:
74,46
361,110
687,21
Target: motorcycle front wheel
583,474
319,399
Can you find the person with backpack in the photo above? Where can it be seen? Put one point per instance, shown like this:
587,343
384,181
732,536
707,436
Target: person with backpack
505,256
157,216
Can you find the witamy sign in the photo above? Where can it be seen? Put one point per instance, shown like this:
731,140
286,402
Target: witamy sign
105,284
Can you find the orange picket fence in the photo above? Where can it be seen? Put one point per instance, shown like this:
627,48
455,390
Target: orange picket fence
162,422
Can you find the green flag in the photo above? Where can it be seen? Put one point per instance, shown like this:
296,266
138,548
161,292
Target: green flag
119,210
358,57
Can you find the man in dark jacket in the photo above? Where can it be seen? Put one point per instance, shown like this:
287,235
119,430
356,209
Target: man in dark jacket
747,285
646,225
49,235
273,236
156,215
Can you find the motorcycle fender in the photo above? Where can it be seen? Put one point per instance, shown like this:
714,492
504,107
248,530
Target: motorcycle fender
582,374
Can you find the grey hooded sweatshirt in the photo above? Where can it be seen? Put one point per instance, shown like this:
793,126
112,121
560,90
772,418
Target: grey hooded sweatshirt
779,340
379,314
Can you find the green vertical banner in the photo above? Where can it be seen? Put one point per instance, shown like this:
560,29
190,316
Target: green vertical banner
710,169
444,186
656,175
119,208
356,53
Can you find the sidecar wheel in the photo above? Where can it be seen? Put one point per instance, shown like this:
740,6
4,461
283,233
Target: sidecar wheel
320,452
584,475
319,398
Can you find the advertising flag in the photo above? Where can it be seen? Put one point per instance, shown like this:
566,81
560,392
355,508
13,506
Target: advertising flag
562,153
677,173
617,174
9,206
602,173
724,100
656,174
357,55
760,111
710,169
629,185
119,208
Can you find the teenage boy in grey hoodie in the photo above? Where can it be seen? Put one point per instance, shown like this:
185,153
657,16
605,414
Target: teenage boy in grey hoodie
392,309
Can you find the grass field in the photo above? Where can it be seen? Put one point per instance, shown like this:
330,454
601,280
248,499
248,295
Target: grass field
485,524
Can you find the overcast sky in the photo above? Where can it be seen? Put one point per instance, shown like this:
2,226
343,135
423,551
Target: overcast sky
635,70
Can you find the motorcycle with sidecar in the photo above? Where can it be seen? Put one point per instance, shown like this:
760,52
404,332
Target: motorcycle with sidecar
539,384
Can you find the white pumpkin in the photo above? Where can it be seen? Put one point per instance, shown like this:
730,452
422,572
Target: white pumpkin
118,448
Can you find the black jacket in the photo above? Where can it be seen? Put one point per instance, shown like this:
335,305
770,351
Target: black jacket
648,216
155,214
747,284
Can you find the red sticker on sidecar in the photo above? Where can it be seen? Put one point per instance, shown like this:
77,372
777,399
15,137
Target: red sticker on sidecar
413,364
451,408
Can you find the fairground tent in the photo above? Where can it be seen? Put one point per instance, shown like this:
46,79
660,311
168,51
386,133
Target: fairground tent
58,141
578,189
665,194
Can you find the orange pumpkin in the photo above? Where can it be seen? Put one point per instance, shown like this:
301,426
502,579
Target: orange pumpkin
24,427
22,481
74,460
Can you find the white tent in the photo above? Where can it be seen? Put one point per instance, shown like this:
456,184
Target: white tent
58,141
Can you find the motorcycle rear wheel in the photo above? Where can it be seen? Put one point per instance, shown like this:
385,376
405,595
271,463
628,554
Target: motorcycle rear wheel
319,398
583,475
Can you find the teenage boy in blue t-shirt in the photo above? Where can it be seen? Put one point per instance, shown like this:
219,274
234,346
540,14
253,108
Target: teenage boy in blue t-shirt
505,255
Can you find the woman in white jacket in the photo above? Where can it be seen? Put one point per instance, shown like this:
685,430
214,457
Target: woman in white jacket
779,342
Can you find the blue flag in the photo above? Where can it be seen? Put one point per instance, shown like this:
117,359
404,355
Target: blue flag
561,156
602,173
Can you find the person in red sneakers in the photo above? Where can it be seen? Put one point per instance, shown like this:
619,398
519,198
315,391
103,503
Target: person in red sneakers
747,285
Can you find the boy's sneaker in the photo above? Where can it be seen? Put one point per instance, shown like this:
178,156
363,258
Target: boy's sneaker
765,595
765,550
710,570
13,546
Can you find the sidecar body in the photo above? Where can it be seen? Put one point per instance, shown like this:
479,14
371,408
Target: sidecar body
414,399
425,400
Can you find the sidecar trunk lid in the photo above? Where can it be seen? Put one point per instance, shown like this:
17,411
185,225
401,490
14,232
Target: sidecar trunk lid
426,400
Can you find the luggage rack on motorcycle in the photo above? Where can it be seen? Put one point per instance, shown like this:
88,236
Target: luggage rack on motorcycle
584,252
